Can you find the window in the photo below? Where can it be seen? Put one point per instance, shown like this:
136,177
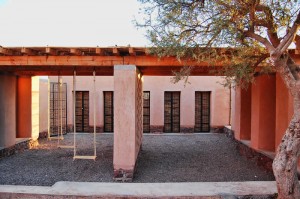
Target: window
202,111
146,111
108,111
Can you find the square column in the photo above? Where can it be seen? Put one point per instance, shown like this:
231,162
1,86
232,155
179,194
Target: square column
284,109
242,115
7,110
28,107
128,120
263,113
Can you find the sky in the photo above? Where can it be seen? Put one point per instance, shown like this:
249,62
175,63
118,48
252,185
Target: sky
91,23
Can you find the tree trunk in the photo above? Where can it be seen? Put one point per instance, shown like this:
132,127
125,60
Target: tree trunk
286,159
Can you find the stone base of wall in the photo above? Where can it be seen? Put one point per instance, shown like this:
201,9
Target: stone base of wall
121,175
19,147
260,159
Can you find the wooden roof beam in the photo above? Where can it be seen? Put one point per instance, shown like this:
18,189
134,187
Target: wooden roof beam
5,51
131,52
99,51
116,52
27,51
50,51
75,51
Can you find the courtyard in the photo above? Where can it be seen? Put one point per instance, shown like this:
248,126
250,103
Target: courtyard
206,157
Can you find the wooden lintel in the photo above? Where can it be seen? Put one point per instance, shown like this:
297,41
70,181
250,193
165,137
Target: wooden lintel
99,51
131,52
116,52
5,51
75,51
50,51
27,51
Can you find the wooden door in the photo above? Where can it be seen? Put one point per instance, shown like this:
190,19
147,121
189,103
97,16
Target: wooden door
82,111
172,112
108,111
202,111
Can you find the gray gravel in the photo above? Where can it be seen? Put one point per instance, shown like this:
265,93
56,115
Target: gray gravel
164,158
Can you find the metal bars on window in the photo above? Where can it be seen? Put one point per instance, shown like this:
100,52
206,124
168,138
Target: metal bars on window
108,97
55,112
202,111
172,112
146,112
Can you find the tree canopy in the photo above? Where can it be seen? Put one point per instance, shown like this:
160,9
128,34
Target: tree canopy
240,33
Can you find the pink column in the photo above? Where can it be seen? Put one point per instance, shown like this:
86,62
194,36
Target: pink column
24,108
128,120
263,113
7,110
284,109
242,115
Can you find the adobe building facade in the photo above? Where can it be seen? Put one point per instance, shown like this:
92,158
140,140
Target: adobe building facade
126,80
156,90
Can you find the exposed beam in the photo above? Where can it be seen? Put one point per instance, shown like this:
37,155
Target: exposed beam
75,51
131,51
116,52
27,51
99,51
50,51
5,51
94,61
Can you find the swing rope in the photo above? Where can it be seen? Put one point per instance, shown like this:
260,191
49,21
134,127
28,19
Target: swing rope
93,157
61,135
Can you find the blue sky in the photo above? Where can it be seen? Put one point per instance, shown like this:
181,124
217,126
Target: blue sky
69,23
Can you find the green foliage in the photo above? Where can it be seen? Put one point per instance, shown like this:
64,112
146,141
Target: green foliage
219,31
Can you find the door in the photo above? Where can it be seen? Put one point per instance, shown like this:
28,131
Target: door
82,111
202,111
108,111
172,112
146,112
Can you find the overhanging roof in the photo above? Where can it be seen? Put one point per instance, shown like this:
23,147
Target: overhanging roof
64,60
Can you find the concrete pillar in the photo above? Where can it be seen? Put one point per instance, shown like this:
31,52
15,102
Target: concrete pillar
284,109
263,113
128,120
242,115
24,107
7,110
28,107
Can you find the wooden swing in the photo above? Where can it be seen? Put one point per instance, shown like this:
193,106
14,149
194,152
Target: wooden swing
91,157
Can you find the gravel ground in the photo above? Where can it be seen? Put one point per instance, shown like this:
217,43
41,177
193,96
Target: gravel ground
164,158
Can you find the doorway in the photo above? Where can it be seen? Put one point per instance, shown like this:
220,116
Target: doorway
172,112
202,111
82,111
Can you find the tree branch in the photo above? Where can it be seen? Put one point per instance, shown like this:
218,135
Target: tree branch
260,39
288,38
269,24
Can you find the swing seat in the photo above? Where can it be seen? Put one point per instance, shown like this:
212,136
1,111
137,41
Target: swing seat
85,157
65,146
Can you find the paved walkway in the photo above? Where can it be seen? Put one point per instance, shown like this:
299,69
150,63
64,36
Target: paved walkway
212,190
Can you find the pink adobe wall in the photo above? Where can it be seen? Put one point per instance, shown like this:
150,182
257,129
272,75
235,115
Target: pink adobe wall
157,85
85,83
43,105
219,99
127,117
